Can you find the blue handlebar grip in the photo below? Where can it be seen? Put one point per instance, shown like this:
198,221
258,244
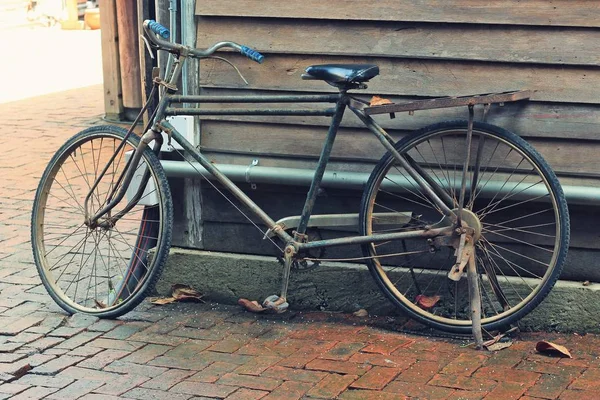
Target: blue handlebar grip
252,54
159,29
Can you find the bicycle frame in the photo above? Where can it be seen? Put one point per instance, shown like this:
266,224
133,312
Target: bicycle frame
421,173
342,100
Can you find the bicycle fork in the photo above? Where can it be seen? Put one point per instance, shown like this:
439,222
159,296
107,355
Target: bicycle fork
114,197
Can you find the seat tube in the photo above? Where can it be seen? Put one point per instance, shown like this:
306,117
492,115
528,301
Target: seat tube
323,160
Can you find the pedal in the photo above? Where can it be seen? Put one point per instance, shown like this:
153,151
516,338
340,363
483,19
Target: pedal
276,303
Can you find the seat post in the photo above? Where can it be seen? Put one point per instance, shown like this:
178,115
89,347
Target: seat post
323,160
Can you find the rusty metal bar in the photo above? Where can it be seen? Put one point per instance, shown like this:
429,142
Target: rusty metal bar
465,170
380,237
448,102
306,98
327,112
311,196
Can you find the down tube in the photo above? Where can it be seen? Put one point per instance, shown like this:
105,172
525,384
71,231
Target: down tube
225,181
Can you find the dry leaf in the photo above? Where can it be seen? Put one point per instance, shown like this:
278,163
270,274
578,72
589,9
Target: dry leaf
427,302
498,346
183,292
21,371
499,337
361,313
552,348
251,306
100,304
163,300
378,101
179,292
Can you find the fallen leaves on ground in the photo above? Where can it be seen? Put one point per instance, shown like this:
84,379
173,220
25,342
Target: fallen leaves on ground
100,304
497,346
378,101
251,306
550,348
361,313
427,302
500,341
179,292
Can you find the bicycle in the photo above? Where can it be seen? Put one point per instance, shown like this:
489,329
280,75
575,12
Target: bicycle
449,197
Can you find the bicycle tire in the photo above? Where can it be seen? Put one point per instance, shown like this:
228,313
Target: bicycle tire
115,257
533,216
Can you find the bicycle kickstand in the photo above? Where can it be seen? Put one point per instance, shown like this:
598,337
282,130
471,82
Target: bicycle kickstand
466,258
276,303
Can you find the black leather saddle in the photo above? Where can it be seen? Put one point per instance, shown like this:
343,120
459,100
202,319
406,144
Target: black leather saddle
342,75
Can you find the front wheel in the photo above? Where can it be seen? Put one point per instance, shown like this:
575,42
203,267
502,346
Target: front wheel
513,201
104,270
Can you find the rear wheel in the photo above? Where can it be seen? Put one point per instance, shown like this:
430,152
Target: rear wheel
513,200
105,270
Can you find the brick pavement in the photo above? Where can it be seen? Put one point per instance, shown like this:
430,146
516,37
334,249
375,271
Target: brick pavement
200,351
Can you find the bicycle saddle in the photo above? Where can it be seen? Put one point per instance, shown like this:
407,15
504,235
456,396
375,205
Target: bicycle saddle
342,74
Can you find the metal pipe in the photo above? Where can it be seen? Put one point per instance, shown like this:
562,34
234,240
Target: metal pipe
351,180
184,41
173,20
173,28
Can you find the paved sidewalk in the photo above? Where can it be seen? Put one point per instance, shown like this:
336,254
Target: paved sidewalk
193,351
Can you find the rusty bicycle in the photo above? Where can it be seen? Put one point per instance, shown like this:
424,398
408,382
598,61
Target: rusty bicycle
455,211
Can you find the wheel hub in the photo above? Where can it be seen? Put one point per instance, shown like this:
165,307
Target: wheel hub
472,221
469,220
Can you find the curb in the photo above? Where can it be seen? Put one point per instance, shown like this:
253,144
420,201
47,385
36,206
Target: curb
341,287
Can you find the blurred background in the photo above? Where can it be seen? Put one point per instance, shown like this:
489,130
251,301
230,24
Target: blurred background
48,46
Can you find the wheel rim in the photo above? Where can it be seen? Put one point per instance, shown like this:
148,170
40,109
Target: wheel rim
521,236
95,270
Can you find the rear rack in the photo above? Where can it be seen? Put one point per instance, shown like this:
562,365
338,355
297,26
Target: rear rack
447,102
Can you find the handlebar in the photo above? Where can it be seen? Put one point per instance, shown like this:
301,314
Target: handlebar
158,29
154,29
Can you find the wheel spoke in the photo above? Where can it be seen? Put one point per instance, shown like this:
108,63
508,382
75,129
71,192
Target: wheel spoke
513,205
99,269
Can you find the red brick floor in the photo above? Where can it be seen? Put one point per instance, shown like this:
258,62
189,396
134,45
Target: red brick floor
202,351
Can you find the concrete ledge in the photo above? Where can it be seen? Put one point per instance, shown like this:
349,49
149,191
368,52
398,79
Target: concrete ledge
225,277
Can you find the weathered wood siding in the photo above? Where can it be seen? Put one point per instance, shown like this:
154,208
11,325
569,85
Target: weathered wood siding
424,49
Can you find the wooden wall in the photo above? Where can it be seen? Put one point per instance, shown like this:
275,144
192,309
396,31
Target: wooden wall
424,49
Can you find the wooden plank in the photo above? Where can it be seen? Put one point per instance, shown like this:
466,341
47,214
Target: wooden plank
529,119
128,53
192,189
146,10
414,77
564,156
163,18
544,45
113,102
530,12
